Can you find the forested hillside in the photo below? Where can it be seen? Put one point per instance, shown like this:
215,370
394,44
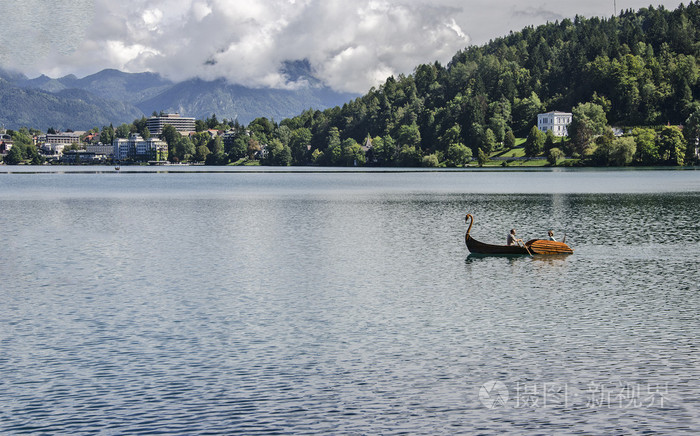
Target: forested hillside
641,67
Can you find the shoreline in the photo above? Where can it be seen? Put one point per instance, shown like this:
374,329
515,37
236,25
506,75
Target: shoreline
189,168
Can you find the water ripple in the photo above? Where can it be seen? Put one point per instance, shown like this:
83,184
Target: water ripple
347,313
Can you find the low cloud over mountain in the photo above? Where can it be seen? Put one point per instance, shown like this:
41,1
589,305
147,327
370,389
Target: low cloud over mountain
112,96
350,46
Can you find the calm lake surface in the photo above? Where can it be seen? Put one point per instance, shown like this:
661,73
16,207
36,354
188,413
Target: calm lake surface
186,300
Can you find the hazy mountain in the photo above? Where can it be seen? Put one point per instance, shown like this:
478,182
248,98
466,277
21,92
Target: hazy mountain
46,83
200,99
112,96
11,76
108,84
116,85
66,109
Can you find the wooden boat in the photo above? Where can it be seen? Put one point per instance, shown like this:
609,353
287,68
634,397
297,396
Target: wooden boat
531,247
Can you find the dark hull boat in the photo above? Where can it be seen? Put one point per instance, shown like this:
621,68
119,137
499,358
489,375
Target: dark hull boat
534,246
477,247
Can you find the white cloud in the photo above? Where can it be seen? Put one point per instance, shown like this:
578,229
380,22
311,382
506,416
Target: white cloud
151,18
200,10
351,45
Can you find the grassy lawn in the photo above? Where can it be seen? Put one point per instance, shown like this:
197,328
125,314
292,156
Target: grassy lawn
515,152
519,152
529,163
517,163
246,162
540,163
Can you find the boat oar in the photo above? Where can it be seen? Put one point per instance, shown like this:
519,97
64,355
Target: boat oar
520,242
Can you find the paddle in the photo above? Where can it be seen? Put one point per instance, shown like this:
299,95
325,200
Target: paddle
520,242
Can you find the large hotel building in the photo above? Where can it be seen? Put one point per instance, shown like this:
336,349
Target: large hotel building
182,124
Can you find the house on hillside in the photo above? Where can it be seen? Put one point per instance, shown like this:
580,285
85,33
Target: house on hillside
557,122
5,143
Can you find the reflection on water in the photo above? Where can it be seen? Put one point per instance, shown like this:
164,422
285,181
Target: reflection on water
551,259
194,305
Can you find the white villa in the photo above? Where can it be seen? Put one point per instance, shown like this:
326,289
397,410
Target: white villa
555,121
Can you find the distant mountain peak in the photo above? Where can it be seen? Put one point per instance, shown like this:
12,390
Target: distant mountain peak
116,97
11,76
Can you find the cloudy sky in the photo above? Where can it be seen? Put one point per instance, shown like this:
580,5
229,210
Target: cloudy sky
351,44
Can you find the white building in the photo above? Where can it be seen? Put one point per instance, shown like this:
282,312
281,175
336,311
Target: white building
121,149
66,138
137,147
557,122
182,124
53,148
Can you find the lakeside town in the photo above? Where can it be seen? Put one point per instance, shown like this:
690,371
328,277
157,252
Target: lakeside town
170,138
105,146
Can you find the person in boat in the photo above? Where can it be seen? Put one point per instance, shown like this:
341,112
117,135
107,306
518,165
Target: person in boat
551,236
512,240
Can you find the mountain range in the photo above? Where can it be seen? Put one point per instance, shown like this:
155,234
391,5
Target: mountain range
115,97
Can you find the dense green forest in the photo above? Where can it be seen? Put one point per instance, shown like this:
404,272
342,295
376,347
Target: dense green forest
640,68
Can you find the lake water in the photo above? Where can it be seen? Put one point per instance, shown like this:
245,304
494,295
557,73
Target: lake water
185,300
